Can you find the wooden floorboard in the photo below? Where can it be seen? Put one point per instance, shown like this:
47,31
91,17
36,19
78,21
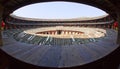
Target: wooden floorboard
61,56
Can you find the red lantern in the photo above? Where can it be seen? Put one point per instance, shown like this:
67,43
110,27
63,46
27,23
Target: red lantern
115,24
3,24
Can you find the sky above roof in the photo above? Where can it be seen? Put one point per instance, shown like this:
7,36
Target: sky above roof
58,10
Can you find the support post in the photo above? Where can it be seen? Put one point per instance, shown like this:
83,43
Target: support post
1,12
118,36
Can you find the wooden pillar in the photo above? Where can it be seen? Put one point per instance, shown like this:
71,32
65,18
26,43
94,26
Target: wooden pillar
1,12
118,37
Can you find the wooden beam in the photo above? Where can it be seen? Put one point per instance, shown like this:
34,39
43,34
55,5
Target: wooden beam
114,7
